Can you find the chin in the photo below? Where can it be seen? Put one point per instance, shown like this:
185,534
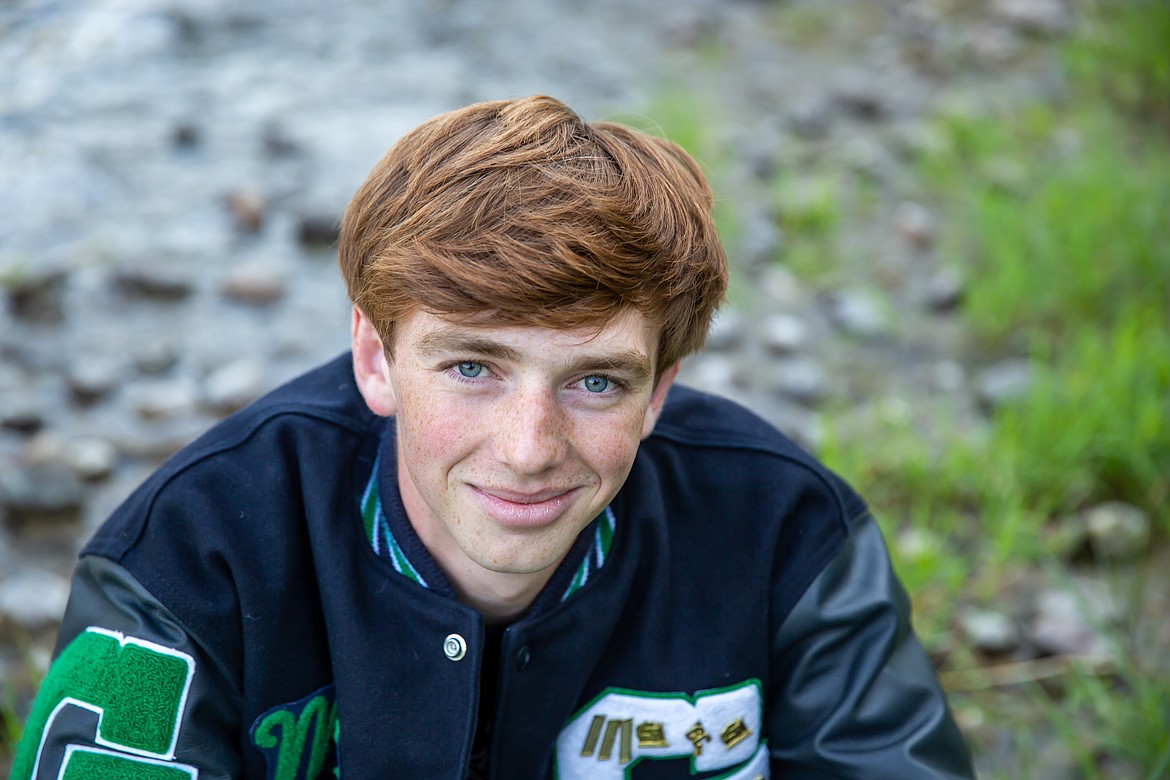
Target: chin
520,562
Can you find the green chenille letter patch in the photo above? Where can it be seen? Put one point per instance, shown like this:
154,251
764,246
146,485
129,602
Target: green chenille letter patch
137,689
300,738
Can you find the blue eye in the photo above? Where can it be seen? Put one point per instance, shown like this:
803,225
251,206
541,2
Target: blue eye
470,370
595,384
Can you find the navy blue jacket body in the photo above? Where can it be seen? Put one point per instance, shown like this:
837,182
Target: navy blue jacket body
232,620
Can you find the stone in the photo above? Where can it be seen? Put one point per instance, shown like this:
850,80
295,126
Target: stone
155,357
1066,537
160,439
989,631
1059,627
1117,532
859,312
915,224
42,492
867,156
257,283
92,458
798,422
158,282
186,135
1005,174
1045,18
917,139
163,399
994,45
234,385
727,330
783,334
33,598
712,372
35,294
278,143
92,378
948,376
1006,381
782,288
916,544
25,419
802,379
858,97
945,289
247,207
318,230
810,119
759,241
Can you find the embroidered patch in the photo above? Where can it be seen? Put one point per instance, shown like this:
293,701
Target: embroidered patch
137,690
295,738
713,729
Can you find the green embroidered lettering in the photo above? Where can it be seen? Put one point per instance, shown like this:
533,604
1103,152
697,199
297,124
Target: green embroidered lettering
337,743
137,688
289,734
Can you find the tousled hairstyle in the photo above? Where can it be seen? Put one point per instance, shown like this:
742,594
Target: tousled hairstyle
518,212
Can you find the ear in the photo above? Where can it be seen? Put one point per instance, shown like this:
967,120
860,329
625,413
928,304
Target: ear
658,399
371,368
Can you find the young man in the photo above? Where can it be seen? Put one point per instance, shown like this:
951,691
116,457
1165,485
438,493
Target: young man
496,541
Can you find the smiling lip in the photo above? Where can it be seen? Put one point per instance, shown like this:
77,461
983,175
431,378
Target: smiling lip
523,509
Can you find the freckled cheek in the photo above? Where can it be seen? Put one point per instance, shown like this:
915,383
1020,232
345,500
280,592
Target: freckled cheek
610,450
434,431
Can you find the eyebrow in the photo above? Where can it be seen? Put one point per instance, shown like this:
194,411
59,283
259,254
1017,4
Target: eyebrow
441,342
631,362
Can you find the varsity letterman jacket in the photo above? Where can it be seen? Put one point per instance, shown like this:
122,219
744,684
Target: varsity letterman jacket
261,608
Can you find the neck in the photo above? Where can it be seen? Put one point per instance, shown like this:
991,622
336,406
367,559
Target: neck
501,598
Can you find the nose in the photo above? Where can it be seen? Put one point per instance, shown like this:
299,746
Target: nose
531,432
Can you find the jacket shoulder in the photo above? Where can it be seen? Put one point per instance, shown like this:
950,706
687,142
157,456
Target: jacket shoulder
720,432
315,418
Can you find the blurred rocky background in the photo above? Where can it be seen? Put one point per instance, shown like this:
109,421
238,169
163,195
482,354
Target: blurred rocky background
908,189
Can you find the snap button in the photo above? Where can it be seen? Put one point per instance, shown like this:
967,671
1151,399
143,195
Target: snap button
454,647
523,656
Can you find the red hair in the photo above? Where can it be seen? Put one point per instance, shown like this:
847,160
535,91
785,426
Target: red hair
518,212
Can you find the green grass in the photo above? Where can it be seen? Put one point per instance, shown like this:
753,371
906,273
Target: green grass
1073,269
1123,55
1058,215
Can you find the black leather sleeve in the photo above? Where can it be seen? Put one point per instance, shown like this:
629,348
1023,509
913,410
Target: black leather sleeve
131,693
855,695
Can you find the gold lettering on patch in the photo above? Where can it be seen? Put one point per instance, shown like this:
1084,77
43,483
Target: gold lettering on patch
613,730
698,735
651,735
593,735
734,733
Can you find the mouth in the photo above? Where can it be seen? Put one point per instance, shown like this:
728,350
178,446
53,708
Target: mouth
520,509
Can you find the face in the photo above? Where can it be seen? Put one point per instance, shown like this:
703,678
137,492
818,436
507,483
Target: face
510,439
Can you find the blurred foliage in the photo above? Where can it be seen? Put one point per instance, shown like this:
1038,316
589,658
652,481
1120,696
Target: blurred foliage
1123,55
1057,215
1069,264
